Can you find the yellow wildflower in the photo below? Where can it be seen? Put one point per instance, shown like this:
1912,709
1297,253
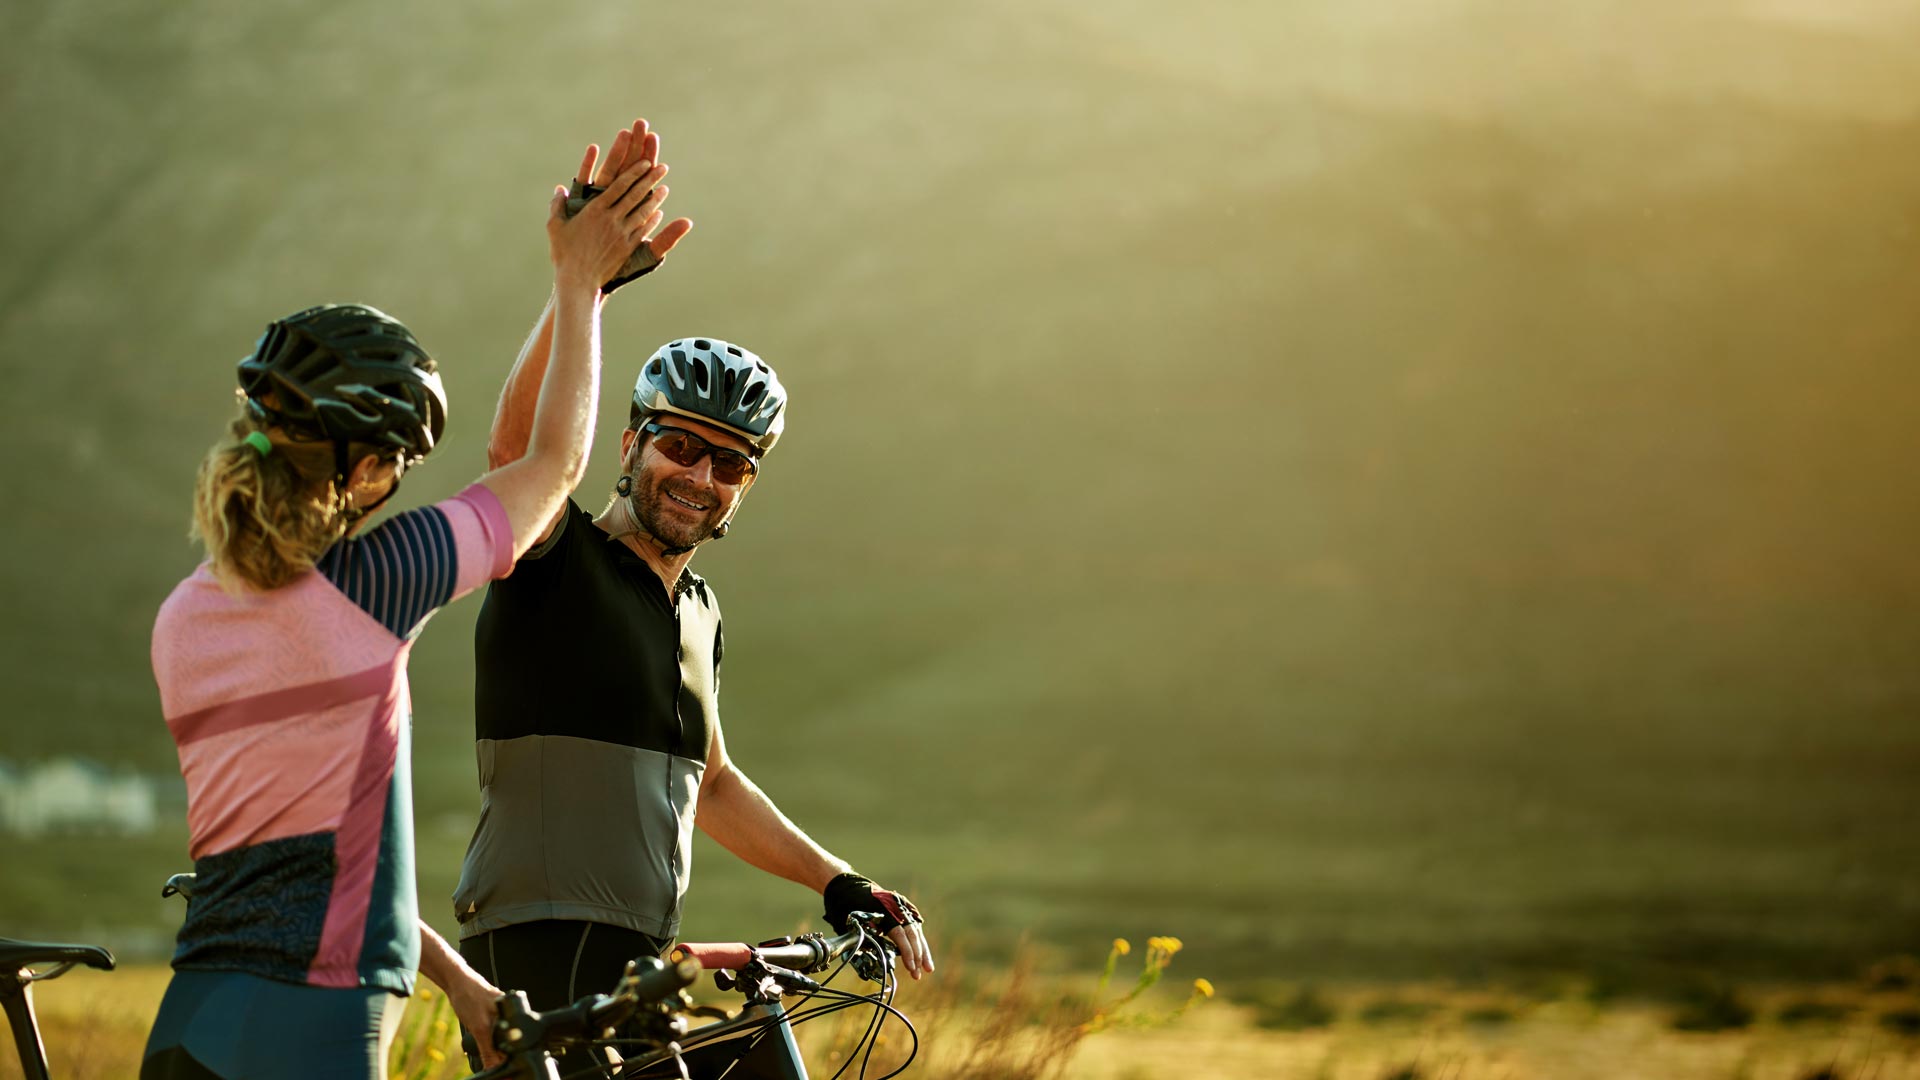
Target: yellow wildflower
436,1055
424,994
1122,946
1171,944
1203,988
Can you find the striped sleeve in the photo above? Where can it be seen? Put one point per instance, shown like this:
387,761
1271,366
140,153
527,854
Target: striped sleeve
400,572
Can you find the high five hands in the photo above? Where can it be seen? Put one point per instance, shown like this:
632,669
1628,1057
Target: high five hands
633,150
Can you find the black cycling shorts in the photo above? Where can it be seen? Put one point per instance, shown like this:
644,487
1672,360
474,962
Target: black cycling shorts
556,962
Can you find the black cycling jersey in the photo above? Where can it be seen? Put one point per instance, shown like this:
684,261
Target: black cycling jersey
595,700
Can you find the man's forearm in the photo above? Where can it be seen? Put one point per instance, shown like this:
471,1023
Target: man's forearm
471,995
513,418
740,817
438,961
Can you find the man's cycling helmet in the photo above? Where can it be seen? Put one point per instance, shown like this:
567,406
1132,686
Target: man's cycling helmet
709,380
346,373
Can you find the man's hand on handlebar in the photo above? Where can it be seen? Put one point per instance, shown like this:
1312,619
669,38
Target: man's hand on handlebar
849,892
470,994
473,1007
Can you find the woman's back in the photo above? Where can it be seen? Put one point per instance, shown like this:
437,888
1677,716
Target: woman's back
290,710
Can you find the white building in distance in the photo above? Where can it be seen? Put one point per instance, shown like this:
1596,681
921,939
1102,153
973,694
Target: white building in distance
70,795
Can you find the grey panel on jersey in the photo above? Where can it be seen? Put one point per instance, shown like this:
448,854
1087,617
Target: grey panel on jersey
601,832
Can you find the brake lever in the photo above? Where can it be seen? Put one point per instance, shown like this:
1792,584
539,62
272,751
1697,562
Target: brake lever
874,961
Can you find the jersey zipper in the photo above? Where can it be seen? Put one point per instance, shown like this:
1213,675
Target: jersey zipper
680,739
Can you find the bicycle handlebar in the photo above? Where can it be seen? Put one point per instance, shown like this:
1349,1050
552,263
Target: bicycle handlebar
522,1034
805,954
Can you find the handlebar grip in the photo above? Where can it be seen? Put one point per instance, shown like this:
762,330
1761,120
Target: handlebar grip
713,955
662,982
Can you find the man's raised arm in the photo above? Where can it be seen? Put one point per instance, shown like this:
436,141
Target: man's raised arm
513,418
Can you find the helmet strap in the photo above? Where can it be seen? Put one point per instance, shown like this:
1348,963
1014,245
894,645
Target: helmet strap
354,514
341,465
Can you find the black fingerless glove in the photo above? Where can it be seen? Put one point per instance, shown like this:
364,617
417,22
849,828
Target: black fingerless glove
641,263
848,893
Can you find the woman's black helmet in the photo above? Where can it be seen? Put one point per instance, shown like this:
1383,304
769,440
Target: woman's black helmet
709,379
346,373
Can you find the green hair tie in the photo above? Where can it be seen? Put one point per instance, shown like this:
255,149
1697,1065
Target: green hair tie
260,443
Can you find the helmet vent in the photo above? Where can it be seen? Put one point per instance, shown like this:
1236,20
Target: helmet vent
734,349
700,375
655,369
702,343
752,395
728,383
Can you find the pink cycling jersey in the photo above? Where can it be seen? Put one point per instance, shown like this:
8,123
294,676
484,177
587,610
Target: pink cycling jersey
292,718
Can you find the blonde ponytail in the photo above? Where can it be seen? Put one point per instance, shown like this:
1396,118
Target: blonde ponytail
265,518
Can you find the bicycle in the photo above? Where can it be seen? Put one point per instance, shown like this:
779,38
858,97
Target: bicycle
18,959
755,1043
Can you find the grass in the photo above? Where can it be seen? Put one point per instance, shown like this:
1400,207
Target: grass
1394,1009
1713,1008
1019,1022
1815,1011
1301,1010
1902,1021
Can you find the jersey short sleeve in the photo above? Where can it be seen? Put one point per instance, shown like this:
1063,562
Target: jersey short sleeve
482,535
413,563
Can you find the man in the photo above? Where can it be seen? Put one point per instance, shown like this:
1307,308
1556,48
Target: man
596,704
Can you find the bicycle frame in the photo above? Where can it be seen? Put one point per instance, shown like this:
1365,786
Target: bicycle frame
16,991
16,996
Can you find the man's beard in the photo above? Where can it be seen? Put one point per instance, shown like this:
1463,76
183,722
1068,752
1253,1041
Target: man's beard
676,527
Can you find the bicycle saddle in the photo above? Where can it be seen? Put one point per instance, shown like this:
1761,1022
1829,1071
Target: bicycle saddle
15,955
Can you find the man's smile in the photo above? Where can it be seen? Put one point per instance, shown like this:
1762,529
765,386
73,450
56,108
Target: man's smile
688,502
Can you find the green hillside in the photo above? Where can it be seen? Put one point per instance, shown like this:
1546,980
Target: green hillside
1372,488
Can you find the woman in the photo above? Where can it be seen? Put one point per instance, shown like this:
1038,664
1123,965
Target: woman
282,666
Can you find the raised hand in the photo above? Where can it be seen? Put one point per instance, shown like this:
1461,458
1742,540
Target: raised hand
637,144
593,245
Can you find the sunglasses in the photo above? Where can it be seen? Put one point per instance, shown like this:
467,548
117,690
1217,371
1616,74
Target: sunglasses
685,449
